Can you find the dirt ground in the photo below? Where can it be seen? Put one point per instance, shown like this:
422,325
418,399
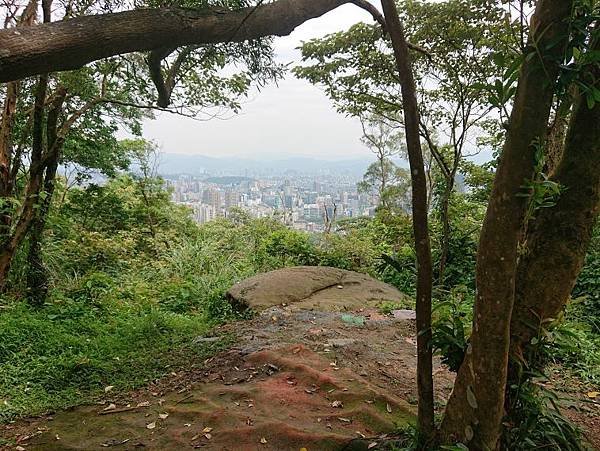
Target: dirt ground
293,380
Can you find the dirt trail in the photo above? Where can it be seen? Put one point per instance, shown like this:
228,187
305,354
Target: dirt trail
293,380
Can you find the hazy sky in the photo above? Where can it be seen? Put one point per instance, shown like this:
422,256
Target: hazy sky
294,118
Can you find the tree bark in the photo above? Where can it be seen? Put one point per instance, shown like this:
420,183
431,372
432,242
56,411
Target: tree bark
6,155
16,235
555,138
558,239
476,407
70,44
445,220
37,273
420,219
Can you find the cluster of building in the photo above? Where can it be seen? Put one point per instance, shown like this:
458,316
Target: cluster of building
306,202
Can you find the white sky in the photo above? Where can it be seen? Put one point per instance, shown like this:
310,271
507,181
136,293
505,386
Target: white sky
294,118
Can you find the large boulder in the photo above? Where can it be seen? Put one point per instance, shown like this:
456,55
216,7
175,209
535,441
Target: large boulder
312,288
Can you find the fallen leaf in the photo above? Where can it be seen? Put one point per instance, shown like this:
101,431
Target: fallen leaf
151,425
187,425
388,408
345,420
111,406
207,436
593,394
144,404
207,430
163,416
263,440
337,404
372,445
20,448
108,388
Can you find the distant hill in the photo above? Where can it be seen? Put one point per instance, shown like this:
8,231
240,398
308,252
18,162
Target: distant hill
228,166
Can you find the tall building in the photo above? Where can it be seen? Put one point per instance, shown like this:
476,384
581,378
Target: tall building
212,197
232,199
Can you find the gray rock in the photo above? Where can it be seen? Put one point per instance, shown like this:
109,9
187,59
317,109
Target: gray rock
312,288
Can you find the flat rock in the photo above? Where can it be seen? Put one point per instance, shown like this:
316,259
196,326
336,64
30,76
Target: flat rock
404,314
312,288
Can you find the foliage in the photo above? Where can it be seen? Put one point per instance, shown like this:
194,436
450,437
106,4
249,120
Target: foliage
587,289
536,421
452,319
125,304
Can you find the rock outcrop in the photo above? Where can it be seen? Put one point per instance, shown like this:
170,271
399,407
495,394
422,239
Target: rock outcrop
312,288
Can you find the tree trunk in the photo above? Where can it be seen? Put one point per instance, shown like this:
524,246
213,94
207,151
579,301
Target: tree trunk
559,237
29,51
37,273
445,220
36,171
476,406
420,220
555,139
6,154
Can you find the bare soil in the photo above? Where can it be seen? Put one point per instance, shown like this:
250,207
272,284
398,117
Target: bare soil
292,380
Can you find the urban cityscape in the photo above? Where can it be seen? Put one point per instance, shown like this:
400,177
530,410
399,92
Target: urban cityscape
303,202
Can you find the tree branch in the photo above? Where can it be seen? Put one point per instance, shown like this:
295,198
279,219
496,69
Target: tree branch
74,42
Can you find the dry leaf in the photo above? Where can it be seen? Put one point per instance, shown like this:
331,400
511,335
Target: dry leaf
108,388
388,408
337,404
207,436
345,420
110,407
151,425
593,394
144,404
163,416
263,440
207,430
372,445
20,448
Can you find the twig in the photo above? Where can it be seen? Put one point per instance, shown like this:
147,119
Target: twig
124,409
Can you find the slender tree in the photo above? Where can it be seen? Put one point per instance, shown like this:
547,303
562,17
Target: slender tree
420,219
